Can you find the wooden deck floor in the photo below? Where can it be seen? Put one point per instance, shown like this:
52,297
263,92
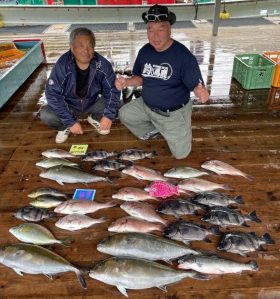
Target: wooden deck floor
235,127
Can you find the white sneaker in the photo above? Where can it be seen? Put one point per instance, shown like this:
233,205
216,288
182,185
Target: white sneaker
62,136
96,125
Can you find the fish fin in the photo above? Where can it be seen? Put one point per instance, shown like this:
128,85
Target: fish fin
253,265
81,279
239,199
267,239
163,288
66,242
200,276
248,177
168,262
108,180
122,290
60,182
215,230
253,217
49,276
18,271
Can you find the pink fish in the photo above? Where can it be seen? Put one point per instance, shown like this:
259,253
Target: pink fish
163,189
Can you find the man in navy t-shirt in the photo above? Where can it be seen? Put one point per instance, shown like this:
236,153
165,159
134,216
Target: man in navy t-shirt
168,72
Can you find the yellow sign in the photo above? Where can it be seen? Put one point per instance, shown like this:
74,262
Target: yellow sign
78,149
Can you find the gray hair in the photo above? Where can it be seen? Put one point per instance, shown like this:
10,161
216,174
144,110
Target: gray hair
81,31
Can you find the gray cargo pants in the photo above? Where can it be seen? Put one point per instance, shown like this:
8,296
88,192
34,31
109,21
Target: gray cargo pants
176,128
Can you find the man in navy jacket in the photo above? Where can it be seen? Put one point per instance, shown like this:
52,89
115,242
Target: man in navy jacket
81,84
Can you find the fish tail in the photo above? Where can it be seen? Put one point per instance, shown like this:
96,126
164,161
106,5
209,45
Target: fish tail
81,279
253,265
108,180
227,187
253,217
154,153
200,276
267,239
52,215
66,242
239,199
112,203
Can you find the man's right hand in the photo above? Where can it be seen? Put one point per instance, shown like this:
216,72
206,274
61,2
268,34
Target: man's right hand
120,83
76,129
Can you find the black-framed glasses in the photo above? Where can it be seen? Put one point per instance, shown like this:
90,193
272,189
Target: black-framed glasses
155,18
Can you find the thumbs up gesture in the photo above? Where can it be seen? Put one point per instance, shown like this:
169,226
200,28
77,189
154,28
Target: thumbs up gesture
202,93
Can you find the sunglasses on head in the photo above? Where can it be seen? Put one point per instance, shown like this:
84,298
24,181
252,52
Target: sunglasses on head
155,18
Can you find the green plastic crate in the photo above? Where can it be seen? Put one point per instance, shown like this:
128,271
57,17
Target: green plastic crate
32,2
72,2
88,2
253,71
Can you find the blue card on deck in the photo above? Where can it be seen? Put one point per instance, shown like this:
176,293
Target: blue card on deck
84,194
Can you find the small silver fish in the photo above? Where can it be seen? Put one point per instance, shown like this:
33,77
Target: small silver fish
136,154
144,173
224,217
50,162
184,173
33,214
211,264
243,243
57,153
132,194
98,155
200,185
220,167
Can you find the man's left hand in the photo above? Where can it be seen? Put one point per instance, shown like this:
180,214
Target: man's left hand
202,93
105,124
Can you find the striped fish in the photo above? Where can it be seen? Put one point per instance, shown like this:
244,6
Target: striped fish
33,214
98,155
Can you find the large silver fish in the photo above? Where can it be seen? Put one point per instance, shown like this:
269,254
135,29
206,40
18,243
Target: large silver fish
51,162
135,154
57,153
77,221
74,206
132,194
200,185
146,246
33,214
36,234
33,259
46,190
243,243
224,217
212,199
65,174
212,264
144,173
184,173
187,232
179,207
142,211
138,274
220,167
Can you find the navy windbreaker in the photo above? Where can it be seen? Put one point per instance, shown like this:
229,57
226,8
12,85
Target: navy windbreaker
61,88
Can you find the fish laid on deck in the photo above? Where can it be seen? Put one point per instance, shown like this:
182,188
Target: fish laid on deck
200,185
46,190
144,173
138,274
33,214
46,201
57,153
51,162
33,259
224,217
36,234
135,154
141,245
132,194
187,232
220,167
109,165
212,199
142,211
65,174
243,243
98,155
184,173
212,264
73,206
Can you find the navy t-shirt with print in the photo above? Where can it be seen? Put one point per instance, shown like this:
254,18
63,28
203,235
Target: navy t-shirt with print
168,76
